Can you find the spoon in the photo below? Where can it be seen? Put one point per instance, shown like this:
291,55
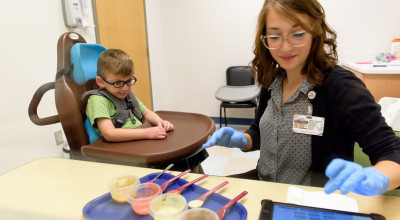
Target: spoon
221,211
164,185
200,201
179,190
168,167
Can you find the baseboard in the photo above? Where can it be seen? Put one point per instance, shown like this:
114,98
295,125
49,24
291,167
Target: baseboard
234,121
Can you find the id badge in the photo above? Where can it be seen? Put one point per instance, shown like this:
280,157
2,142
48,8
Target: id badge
308,125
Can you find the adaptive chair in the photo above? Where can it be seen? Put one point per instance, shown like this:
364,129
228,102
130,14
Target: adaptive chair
240,91
76,73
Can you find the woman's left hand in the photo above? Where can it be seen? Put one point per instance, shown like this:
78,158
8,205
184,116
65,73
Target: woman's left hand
351,177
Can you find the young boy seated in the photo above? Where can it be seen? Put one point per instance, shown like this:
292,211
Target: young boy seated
115,79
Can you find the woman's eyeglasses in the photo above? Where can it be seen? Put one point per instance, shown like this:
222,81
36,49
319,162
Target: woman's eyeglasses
273,42
119,84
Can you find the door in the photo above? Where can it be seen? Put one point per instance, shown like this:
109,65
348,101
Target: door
121,24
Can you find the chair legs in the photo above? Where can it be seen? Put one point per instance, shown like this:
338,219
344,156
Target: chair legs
226,123
220,116
225,118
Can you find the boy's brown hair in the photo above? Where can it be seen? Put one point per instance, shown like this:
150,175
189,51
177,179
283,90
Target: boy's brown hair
323,55
114,61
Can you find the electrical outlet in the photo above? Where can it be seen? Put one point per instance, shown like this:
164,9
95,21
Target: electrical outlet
59,137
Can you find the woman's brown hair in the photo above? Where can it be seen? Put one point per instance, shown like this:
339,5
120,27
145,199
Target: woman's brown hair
323,55
114,61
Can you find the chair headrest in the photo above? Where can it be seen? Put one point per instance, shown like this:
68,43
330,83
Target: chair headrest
84,60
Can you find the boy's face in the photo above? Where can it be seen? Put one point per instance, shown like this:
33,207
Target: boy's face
121,92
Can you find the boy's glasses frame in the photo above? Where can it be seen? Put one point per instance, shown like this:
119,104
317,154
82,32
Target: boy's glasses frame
120,84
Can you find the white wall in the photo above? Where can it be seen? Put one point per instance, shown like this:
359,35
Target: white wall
364,27
28,51
191,44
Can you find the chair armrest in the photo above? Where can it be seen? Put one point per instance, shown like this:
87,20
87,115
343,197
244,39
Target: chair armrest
32,110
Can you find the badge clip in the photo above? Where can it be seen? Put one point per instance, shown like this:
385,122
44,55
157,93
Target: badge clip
311,96
309,111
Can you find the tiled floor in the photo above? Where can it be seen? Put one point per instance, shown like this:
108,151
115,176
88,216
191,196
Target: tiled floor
225,161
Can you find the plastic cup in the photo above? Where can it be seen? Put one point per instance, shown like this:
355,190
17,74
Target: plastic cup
120,185
140,196
199,214
168,207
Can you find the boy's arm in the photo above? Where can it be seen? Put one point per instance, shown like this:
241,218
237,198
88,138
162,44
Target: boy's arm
154,119
112,134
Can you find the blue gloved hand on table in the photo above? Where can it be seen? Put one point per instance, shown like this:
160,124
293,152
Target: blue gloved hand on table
351,177
227,137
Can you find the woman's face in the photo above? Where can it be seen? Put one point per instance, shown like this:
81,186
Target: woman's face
289,57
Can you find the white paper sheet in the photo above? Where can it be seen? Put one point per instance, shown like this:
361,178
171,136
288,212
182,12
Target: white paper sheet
320,199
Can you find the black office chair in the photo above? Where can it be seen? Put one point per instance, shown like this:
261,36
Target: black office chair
240,91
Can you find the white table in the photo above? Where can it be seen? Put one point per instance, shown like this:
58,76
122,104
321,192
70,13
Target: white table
54,188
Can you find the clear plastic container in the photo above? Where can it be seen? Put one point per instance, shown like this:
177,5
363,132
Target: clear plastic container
168,207
141,195
199,214
120,185
395,49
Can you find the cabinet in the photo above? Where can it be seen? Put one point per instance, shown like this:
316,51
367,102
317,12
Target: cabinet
381,81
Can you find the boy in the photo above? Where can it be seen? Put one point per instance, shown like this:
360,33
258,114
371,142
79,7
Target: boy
115,78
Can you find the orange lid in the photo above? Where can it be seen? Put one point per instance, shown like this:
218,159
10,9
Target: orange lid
396,40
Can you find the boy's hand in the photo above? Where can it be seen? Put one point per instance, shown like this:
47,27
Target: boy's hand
156,132
166,125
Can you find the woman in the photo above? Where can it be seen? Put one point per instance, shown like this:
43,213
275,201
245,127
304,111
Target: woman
312,111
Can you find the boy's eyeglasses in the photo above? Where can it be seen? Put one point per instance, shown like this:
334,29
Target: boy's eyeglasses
119,84
273,42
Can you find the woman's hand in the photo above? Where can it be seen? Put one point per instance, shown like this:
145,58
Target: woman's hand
227,137
351,177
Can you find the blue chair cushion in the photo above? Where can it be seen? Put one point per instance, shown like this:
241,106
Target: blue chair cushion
93,135
84,60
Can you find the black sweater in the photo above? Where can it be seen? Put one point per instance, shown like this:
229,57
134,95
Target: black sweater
351,115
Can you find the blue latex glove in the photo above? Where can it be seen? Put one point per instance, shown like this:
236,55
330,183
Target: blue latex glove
351,177
227,137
